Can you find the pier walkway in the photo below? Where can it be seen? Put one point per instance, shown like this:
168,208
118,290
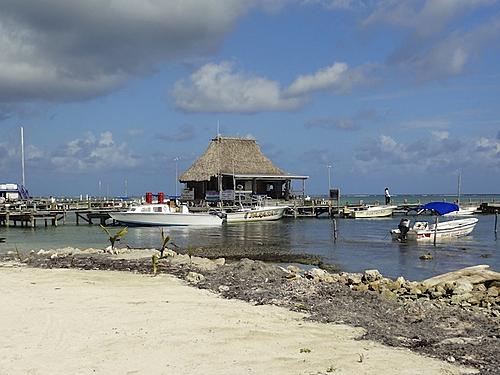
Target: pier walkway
49,211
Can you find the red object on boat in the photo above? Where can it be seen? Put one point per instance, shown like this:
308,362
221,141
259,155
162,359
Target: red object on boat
161,197
149,197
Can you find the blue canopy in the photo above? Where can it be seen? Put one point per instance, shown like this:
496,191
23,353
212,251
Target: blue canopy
440,207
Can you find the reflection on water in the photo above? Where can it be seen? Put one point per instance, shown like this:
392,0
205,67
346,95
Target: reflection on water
362,243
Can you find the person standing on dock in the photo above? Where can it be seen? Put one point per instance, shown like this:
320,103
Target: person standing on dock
387,196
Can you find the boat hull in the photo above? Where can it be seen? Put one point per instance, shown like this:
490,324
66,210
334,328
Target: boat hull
422,232
167,219
373,212
258,214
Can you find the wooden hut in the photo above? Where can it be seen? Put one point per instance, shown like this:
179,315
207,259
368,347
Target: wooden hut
232,168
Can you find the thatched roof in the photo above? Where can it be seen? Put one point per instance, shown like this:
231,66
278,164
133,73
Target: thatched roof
230,156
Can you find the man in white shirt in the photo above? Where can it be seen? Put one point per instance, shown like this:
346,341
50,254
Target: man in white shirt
387,196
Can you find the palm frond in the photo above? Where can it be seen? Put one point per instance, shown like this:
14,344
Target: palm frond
121,232
105,229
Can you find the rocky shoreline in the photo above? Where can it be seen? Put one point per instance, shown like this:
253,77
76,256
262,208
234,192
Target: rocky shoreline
457,321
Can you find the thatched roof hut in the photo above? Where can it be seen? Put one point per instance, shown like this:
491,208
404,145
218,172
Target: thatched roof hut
228,156
235,162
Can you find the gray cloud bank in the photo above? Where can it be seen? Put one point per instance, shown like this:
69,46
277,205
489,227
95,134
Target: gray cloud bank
73,50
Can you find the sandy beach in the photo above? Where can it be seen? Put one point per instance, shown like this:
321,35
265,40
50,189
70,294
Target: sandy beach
63,321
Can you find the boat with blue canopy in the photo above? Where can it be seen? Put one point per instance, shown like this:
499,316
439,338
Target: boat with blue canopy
425,231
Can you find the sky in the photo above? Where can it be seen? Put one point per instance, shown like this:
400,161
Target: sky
121,96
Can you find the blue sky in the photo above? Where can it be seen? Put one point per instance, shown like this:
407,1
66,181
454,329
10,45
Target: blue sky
390,93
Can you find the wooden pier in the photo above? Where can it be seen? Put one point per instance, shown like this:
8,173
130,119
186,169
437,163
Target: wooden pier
51,212
45,212
29,219
490,208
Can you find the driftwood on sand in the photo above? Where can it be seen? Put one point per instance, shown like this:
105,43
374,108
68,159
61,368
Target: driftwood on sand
480,274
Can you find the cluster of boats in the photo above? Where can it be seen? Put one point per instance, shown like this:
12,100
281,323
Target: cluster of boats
179,215
173,215
423,230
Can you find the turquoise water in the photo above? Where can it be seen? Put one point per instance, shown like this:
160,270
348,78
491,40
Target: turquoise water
362,243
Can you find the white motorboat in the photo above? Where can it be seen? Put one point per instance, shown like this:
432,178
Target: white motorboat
164,215
372,211
256,213
445,230
423,231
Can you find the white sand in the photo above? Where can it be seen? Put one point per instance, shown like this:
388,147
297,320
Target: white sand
98,322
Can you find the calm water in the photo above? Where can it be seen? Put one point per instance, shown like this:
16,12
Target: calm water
362,243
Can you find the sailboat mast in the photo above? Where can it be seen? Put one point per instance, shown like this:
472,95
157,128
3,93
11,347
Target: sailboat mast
459,186
22,156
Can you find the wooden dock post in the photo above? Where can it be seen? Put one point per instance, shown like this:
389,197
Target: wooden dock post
496,222
335,234
436,229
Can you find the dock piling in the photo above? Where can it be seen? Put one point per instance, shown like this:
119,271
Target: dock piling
436,229
496,222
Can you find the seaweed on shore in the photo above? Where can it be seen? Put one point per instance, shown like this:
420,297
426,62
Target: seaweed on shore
428,327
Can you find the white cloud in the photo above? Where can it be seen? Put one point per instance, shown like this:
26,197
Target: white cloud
10,158
452,55
7,155
57,50
218,88
429,123
331,77
341,4
440,135
438,152
425,18
489,148
439,44
91,154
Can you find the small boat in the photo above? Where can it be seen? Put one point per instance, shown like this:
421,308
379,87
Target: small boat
165,215
2,239
256,213
425,231
372,211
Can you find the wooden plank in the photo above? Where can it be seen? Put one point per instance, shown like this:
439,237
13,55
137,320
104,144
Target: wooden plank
475,274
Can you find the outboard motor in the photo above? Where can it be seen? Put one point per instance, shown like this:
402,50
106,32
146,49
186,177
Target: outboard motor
404,227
